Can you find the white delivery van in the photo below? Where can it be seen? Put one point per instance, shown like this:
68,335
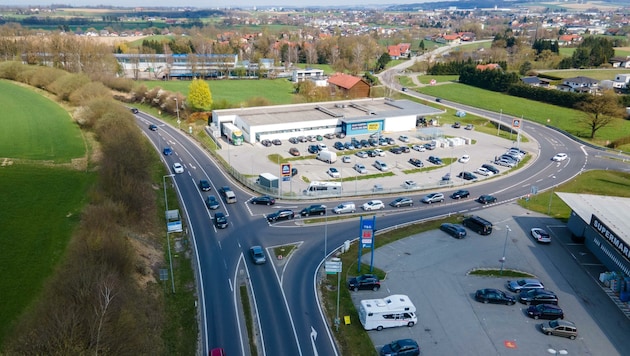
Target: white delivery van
327,156
389,312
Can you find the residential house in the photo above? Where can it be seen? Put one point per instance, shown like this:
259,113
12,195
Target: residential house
580,85
348,86
566,40
399,50
535,81
301,75
620,62
489,66
622,81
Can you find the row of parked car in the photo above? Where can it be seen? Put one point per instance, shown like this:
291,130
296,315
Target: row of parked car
510,158
542,304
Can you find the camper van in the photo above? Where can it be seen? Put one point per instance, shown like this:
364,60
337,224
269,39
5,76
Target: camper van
323,188
389,312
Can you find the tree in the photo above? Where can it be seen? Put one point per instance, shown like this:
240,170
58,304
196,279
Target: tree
199,96
382,61
599,111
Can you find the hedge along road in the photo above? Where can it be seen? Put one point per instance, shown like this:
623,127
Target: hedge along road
34,127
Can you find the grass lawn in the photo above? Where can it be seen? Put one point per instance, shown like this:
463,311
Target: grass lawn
599,74
36,128
531,110
277,91
40,208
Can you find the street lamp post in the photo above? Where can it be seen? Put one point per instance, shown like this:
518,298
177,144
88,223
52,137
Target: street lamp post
177,110
500,119
168,240
551,197
502,260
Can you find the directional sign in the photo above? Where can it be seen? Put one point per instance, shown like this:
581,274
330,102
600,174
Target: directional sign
333,267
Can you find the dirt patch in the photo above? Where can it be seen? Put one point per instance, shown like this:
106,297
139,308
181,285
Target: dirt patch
150,259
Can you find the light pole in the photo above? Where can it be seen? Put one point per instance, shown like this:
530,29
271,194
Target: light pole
551,197
177,110
500,119
502,260
168,240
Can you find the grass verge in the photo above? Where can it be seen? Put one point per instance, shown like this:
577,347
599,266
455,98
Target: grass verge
249,320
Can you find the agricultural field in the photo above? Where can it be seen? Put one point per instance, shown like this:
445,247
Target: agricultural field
599,74
44,131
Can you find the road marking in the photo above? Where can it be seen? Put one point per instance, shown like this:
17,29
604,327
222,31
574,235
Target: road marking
313,337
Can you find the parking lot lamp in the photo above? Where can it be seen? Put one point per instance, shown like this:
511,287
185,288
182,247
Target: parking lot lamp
499,124
177,110
502,260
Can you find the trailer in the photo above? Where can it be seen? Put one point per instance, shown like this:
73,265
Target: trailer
389,312
233,134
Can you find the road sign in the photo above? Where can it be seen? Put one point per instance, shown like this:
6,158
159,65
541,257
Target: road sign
333,267
285,169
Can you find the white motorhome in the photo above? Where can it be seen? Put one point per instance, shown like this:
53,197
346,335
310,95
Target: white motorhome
323,188
389,312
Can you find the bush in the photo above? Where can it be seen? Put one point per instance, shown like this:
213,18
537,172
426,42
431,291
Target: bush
65,85
89,91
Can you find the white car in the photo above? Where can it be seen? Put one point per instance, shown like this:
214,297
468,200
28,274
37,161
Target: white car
484,172
418,148
178,168
379,152
333,172
361,154
410,184
344,208
346,159
403,138
560,157
360,168
541,235
373,205
322,146
464,159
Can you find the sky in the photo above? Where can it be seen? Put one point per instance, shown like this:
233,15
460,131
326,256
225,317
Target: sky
209,3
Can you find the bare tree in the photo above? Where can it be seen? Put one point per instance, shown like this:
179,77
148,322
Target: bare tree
599,111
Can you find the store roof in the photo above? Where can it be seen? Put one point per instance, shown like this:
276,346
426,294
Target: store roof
612,211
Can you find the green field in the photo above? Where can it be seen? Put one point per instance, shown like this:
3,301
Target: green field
277,91
36,128
530,110
40,207
599,74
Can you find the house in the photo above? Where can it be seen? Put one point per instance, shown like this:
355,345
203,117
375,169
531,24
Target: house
580,85
301,75
489,66
620,62
621,81
348,86
566,40
535,81
399,50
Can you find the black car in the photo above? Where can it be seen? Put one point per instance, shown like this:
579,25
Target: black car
317,209
212,202
396,150
457,125
264,200
293,140
435,160
402,201
220,220
153,127
455,230
313,149
416,162
265,143
491,168
486,199
538,296
489,295
438,100
404,347
276,142
134,110
364,281
467,176
204,185
285,214
460,194
339,145
545,311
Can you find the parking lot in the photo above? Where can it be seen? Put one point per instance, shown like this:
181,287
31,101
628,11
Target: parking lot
252,160
432,269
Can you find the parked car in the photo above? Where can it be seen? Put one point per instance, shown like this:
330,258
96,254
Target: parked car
361,154
220,220
266,143
346,159
316,209
403,347
495,296
457,125
418,148
464,159
302,139
284,214
560,157
460,194
339,146
491,168
178,168
410,184
364,281
204,185
344,208
167,151
455,230
276,142
294,151
373,205
469,127
293,140
212,202
538,296
559,327
540,235
486,199
258,255
505,163
379,152
333,172
322,146
329,136
467,176
264,200
349,146
313,149
153,127
430,146
524,284
433,198
360,168
484,172
435,160
416,162
402,201
403,138
545,311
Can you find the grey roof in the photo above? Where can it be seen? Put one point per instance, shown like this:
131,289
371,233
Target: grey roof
347,111
612,211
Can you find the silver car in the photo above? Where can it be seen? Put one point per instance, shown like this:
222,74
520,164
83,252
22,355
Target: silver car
559,327
524,284
360,168
433,198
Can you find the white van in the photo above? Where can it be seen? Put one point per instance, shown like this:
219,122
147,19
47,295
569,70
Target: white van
327,156
344,208
381,166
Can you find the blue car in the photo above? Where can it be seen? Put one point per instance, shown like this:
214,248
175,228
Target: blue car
167,151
